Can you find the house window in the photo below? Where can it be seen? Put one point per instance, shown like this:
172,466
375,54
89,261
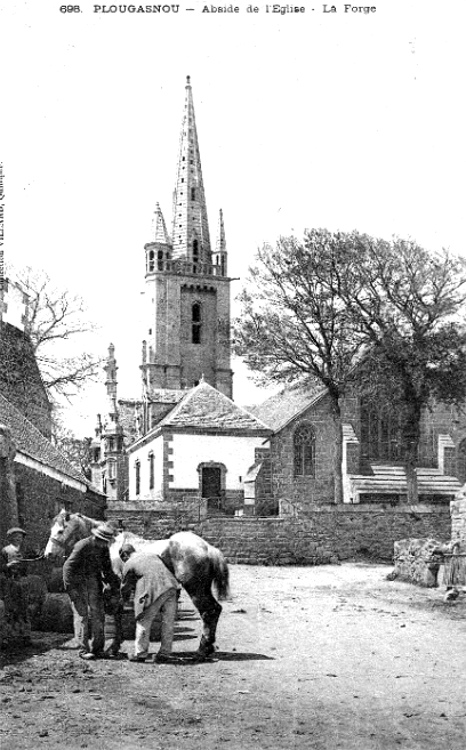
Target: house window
196,323
151,471
138,477
304,451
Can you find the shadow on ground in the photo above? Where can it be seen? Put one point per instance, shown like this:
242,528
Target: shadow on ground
41,642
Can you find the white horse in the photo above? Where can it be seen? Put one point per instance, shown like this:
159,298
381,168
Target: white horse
195,563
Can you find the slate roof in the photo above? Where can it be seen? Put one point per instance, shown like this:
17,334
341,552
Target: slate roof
203,407
282,407
29,441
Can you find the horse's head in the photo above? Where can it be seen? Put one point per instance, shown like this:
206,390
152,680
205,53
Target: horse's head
66,529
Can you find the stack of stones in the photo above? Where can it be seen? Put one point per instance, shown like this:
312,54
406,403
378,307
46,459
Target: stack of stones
418,561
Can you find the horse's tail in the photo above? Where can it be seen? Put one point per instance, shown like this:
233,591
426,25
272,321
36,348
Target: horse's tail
220,572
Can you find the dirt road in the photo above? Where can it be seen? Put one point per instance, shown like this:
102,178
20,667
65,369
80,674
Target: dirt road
309,658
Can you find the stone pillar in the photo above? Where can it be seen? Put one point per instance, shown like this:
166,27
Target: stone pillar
8,502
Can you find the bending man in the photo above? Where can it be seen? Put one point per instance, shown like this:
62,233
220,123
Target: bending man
155,591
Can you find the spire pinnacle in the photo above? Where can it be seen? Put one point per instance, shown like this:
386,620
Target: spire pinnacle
159,229
220,255
221,244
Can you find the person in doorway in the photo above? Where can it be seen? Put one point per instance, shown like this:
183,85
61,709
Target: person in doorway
86,573
155,591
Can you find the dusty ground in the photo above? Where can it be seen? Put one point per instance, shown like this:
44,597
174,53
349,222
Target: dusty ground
310,658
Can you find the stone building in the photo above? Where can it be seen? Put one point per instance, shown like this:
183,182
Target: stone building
163,451
36,480
302,447
186,335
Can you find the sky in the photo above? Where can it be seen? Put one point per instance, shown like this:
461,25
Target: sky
344,120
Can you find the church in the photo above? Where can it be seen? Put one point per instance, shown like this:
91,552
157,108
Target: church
184,443
185,448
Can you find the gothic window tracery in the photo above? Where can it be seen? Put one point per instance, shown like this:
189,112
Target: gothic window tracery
381,432
304,450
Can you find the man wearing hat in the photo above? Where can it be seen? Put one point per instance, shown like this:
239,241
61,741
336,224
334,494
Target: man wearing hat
13,552
85,573
17,620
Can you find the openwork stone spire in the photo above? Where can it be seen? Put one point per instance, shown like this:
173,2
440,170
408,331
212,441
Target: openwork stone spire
190,234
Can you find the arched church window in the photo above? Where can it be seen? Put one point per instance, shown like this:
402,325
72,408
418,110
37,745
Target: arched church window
196,323
137,468
111,469
151,264
304,450
381,432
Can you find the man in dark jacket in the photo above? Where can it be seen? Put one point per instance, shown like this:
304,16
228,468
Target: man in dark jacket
85,573
155,590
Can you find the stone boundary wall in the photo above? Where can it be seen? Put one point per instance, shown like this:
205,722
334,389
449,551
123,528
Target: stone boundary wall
326,534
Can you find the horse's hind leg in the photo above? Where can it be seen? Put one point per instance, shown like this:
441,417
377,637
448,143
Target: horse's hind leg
209,610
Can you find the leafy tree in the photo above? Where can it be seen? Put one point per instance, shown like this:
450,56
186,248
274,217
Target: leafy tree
408,303
294,326
316,309
56,318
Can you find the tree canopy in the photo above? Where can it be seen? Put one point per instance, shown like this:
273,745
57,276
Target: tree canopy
319,307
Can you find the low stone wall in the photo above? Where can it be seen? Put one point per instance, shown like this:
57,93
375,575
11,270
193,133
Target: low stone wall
415,561
327,534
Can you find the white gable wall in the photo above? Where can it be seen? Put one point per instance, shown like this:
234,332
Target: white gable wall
235,452
142,455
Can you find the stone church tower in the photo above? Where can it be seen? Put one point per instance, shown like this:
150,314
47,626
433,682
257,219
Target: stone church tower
187,289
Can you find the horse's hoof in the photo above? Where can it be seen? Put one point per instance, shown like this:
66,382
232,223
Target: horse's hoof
205,650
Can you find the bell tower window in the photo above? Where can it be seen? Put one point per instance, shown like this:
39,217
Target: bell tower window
196,323
151,265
